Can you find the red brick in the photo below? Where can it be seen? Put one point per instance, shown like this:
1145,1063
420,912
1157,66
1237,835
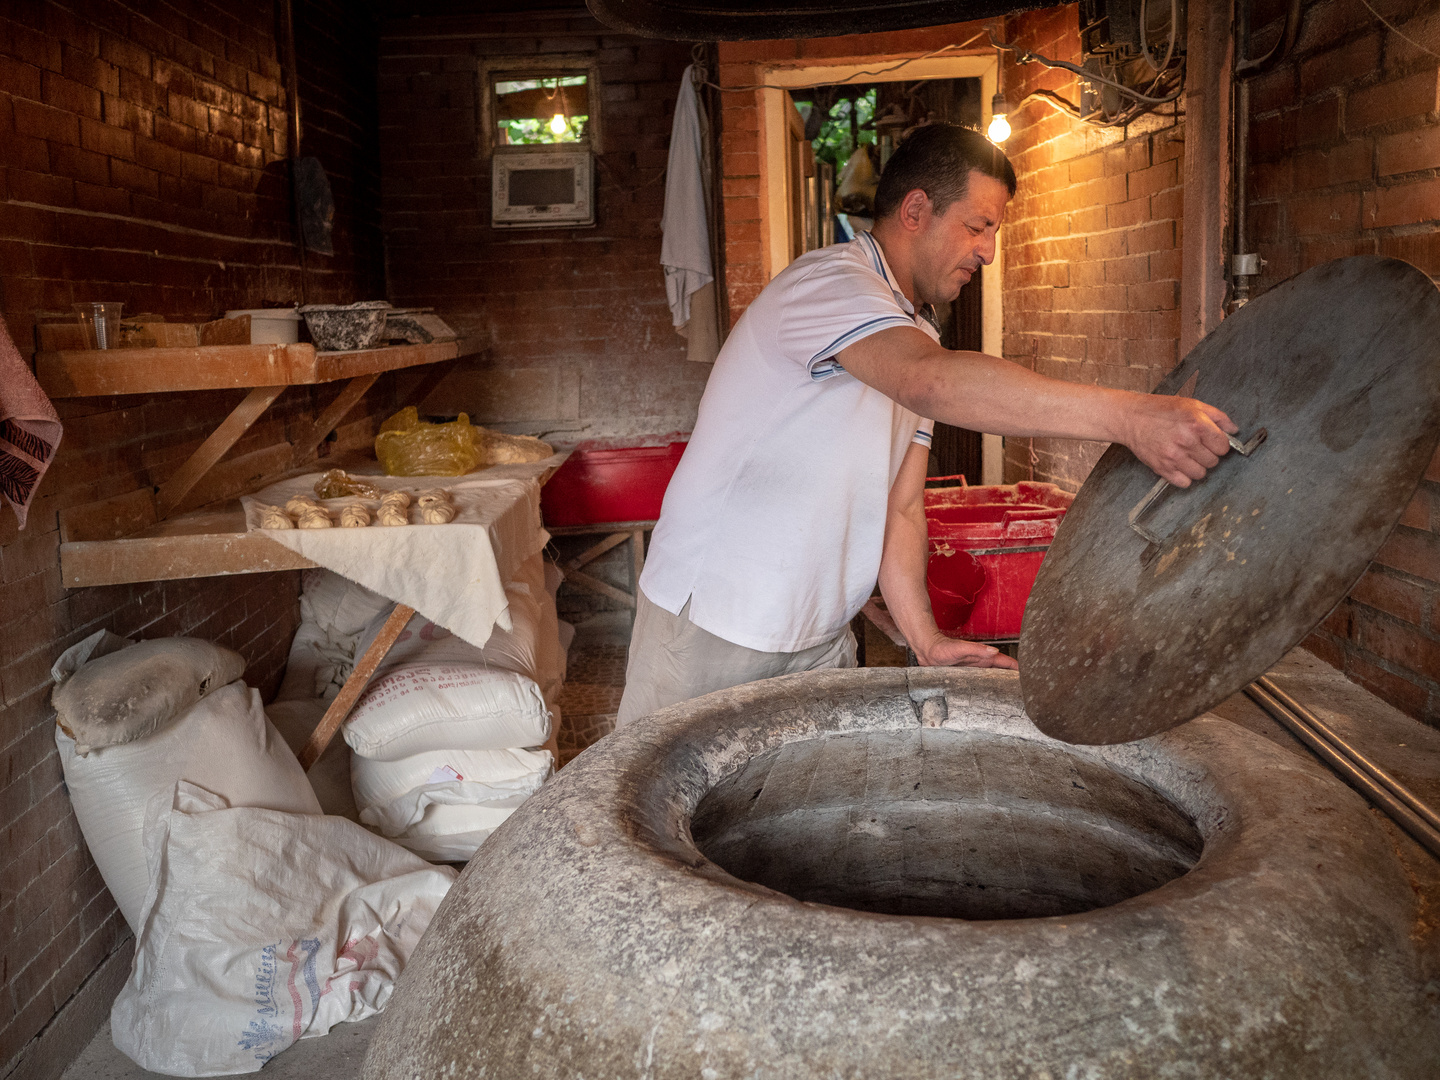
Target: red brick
89,70
1412,551
1152,296
1409,151
1421,249
1318,123
71,96
1353,60
105,139
1392,595
1348,163
45,122
1404,204
1415,95
1398,643
1312,215
1406,694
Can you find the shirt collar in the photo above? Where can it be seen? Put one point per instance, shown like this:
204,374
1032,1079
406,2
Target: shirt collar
882,267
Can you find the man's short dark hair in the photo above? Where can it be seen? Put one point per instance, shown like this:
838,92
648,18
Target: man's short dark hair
937,160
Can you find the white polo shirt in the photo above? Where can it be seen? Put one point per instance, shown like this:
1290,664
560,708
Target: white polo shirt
773,525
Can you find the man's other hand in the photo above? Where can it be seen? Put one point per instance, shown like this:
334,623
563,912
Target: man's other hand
942,651
1179,437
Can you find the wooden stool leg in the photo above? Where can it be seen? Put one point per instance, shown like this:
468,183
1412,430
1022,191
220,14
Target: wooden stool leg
350,693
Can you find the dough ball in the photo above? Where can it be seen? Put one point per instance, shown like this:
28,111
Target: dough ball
433,497
390,514
399,499
314,519
354,516
439,514
298,504
272,517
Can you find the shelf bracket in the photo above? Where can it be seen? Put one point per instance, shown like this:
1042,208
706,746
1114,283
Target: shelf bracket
330,419
230,431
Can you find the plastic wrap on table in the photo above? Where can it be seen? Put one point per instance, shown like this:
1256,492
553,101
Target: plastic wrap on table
338,484
407,446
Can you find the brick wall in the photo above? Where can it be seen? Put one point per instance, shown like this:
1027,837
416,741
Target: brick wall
1345,139
575,334
142,148
1091,244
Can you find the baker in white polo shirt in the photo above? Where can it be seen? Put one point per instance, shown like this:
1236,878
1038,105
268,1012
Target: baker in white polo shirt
803,483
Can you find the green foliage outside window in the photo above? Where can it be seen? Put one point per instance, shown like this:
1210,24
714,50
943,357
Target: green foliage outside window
834,143
544,99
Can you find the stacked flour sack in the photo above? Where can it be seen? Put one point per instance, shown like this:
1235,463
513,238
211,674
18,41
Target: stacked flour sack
448,738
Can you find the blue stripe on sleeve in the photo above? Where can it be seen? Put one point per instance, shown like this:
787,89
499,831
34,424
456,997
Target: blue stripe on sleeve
827,354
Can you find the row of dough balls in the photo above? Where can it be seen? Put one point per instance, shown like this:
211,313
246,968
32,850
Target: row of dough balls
434,506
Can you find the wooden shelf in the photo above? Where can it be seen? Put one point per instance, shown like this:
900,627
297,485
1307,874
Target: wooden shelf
103,372
213,541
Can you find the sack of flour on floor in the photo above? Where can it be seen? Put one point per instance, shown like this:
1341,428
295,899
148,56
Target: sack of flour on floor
261,928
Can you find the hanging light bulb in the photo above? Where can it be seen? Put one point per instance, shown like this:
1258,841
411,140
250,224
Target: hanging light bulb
558,124
999,129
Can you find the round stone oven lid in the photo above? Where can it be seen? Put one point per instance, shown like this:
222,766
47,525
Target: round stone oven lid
1155,604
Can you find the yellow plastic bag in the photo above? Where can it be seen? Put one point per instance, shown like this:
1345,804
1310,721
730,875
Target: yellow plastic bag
408,447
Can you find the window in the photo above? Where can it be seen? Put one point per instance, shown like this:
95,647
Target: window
531,111
549,101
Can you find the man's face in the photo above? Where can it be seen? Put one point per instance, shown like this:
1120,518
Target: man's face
951,247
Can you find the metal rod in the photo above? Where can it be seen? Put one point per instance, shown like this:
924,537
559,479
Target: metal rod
1328,733
1373,788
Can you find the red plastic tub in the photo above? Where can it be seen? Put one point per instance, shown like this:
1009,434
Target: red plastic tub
1003,531
612,481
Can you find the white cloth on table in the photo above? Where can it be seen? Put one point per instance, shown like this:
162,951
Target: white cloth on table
453,574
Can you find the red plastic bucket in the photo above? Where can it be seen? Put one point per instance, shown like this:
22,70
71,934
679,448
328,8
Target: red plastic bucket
612,481
1005,530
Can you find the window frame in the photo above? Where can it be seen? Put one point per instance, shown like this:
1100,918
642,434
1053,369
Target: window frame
547,66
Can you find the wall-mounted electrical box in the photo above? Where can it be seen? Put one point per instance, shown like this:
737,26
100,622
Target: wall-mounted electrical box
542,188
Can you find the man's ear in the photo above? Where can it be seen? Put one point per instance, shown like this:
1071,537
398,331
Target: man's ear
914,210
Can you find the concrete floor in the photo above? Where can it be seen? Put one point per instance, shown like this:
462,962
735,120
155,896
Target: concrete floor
337,1056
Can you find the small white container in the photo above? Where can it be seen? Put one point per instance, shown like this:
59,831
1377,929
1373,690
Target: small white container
271,326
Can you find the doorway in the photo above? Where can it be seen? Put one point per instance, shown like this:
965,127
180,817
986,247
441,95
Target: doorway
955,88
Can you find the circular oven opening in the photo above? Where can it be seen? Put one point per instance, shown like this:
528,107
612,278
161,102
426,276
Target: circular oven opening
953,824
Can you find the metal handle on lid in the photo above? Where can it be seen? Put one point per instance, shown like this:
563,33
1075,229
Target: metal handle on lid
1244,449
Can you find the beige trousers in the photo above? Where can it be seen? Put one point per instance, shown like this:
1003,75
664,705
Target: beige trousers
673,660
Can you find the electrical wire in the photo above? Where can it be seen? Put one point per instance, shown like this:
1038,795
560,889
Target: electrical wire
859,74
1144,31
1025,56
1397,33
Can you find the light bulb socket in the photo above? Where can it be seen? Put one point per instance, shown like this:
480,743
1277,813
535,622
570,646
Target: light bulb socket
997,105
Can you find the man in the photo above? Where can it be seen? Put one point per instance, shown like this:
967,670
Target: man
804,478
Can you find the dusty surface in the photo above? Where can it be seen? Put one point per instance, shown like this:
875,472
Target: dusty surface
590,936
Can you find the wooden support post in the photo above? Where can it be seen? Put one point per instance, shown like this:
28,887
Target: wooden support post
350,693
592,553
594,584
330,419
231,429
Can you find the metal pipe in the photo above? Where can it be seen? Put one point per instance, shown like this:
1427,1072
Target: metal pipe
1380,788
1239,269
1353,753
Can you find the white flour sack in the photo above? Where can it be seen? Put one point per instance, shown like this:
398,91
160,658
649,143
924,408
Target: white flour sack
425,707
223,743
441,805
261,928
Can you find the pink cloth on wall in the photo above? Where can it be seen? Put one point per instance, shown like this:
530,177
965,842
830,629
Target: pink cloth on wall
29,428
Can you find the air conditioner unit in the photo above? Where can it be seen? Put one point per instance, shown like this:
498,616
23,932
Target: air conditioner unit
542,188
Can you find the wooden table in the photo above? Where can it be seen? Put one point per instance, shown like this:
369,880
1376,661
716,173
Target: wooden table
142,535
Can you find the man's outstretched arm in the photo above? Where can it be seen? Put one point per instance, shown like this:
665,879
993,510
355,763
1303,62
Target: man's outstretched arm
902,575
1180,438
